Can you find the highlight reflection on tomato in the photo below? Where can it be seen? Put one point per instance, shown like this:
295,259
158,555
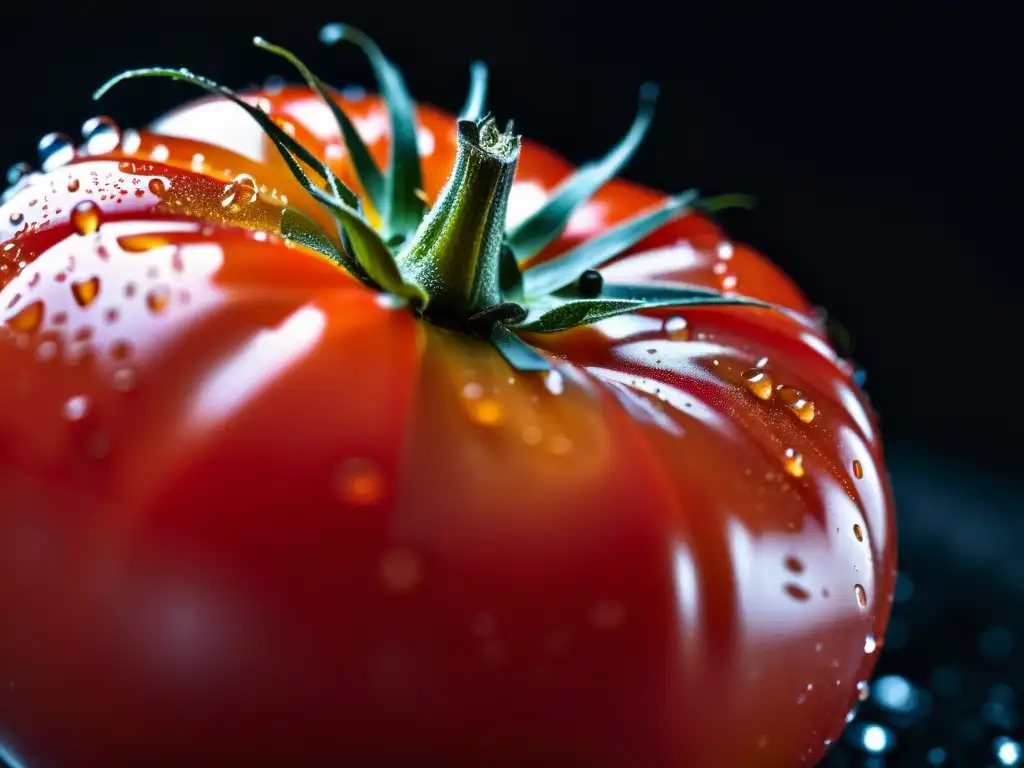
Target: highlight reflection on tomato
294,477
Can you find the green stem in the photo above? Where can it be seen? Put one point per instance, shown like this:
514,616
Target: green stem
456,253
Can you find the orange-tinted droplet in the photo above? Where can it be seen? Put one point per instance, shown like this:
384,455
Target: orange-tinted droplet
241,191
157,187
28,319
482,409
86,291
793,463
360,482
858,532
73,185
858,469
794,564
794,400
121,350
85,217
758,382
158,299
862,596
676,328
797,592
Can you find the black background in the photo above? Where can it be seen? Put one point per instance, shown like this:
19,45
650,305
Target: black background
883,148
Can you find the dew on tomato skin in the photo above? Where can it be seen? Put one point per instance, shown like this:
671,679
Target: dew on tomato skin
29,318
16,218
85,217
55,150
870,644
101,135
796,402
239,192
157,299
401,570
862,596
124,380
46,351
793,463
111,315
858,533
796,591
607,614
76,408
157,187
858,470
758,382
121,350
794,564
676,328
729,283
86,291
555,382
359,482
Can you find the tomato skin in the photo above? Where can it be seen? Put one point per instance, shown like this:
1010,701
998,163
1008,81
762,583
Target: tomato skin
253,512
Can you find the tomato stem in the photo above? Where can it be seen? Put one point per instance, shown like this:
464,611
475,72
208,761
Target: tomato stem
456,253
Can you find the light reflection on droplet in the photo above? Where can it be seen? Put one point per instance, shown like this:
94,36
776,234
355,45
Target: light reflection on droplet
76,408
1008,751
870,644
877,738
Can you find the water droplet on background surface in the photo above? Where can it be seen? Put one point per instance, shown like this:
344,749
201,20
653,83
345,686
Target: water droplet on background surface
55,150
101,135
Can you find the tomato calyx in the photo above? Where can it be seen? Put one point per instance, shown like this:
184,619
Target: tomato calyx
456,264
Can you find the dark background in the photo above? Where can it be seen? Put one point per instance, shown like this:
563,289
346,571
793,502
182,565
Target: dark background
883,149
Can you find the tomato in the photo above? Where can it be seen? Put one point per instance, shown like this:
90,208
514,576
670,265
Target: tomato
254,509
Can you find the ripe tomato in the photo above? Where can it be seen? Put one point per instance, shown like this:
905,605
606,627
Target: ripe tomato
254,509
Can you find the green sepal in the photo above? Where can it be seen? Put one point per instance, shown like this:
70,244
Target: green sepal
402,209
517,352
562,312
370,177
300,228
510,276
562,271
279,137
539,229
476,101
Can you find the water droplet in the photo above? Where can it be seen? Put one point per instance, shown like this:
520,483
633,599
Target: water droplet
76,408
607,614
16,218
158,299
858,470
401,570
120,350
86,291
55,150
758,382
793,564
796,591
858,532
676,328
131,142
869,643
554,382
160,153
101,135
862,596
124,379
729,283
17,172
198,162
46,350
797,403
157,187
28,319
360,482
793,463
73,184
483,410
85,217
241,191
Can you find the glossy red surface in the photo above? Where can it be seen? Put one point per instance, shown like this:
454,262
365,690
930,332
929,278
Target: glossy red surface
252,511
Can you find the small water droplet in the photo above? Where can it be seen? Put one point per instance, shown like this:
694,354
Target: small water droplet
858,470
794,400
482,409
28,318
158,299
555,382
85,217
676,328
794,564
101,135
86,291
73,184
869,643
124,379
120,350
239,192
55,150
862,596
16,218
758,382
858,532
401,570
47,350
607,614
797,592
360,482
793,463
76,408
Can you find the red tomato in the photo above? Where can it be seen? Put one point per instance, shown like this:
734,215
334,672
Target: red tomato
252,511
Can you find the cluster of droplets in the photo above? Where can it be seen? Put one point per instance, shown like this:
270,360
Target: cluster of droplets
724,253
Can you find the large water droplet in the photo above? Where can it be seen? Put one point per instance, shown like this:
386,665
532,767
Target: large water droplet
794,400
676,328
793,463
360,482
240,192
28,319
758,382
862,596
85,217
101,135
86,291
157,187
55,150
401,570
